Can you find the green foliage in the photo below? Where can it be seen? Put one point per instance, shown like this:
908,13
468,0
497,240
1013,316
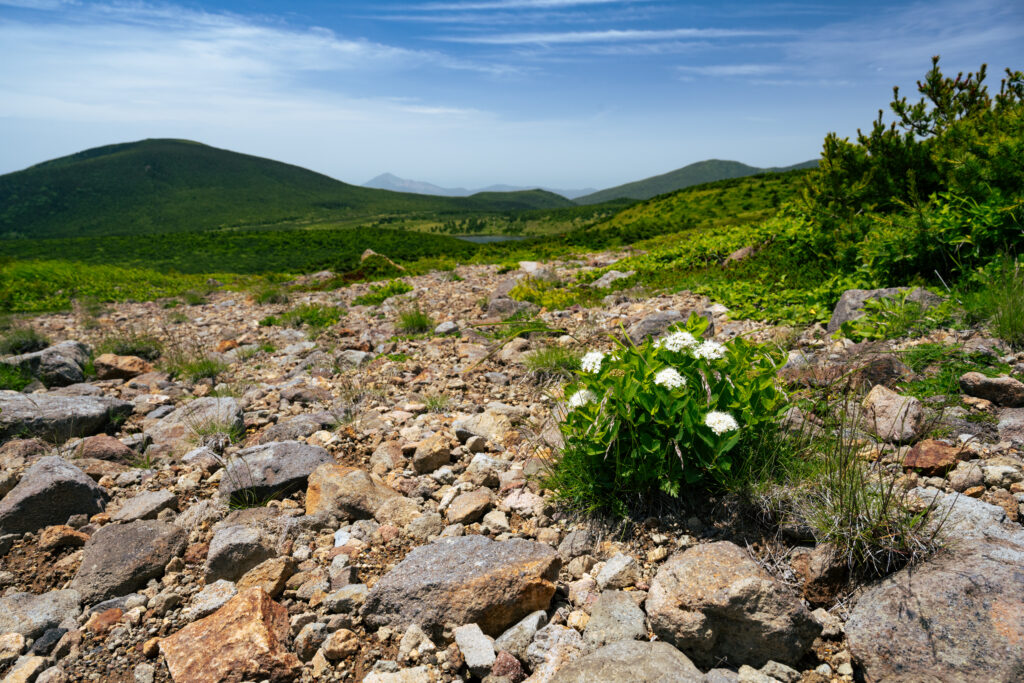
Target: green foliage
270,295
665,416
194,297
938,369
130,342
414,321
998,301
14,377
893,318
191,362
552,362
379,293
19,339
316,316
436,403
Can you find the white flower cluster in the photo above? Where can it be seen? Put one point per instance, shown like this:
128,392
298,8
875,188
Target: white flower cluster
721,423
709,350
591,362
677,341
669,378
581,398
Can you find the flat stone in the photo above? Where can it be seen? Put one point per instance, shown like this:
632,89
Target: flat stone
199,415
246,639
892,417
120,558
56,417
1003,391
146,505
467,508
111,366
210,599
271,470
631,661
614,617
932,458
50,492
431,453
435,585
32,615
489,424
553,647
713,602
348,490
477,650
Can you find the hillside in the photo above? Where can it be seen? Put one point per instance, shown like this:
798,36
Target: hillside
694,174
158,186
389,181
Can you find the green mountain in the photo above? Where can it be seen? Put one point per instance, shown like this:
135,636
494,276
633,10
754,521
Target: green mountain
694,174
161,186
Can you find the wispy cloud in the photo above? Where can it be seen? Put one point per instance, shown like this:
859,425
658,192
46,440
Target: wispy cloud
514,4
725,70
607,36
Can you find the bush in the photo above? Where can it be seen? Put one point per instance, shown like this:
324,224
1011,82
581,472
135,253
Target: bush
999,301
378,293
194,298
20,340
663,416
414,321
14,377
131,343
886,318
271,295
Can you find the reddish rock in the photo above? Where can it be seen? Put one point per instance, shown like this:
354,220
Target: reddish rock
337,488
61,536
196,553
508,666
101,622
243,640
271,575
226,345
932,458
111,366
467,508
104,447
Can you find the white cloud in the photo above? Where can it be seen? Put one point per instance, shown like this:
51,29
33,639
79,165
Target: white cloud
607,36
514,4
722,70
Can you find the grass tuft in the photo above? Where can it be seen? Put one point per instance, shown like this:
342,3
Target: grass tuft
414,321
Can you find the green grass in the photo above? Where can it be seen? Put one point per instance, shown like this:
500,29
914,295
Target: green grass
436,403
379,293
552,362
192,363
271,295
13,377
18,340
414,321
940,366
999,302
130,342
315,316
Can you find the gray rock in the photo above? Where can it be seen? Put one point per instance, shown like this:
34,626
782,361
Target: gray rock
33,615
446,328
716,604
271,470
490,425
518,637
1011,425
1003,391
234,550
431,453
50,492
299,427
56,417
892,417
655,324
577,542
210,599
119,558
146,505
354,358
347,599
309,640
503,307
476,648
721,676
614,617
630,661
851,303
965,476
57,366
621,571
552,648
436,585
781,672
200,416
611,277
422,528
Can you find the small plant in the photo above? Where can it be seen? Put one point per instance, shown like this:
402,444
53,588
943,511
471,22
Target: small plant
131,343
414,321
999,302
398,357
886,318
20,340
194,297
379,293
217,434
436,403
177,318
190,362
552,362
14,377
315,316
271,295
143,461
663,416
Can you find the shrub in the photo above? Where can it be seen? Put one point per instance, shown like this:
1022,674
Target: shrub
14,377
662,416
131,343
378,293
552,362
999,301
194,298
886,318
271,295
414,321
20,340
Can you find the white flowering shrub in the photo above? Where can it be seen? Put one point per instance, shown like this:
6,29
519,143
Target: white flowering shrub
670,413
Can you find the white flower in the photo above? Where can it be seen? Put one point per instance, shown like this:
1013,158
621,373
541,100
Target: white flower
709,350
591,362
669,379
721,423
677,341
581,398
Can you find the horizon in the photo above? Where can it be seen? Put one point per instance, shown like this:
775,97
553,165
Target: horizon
472,93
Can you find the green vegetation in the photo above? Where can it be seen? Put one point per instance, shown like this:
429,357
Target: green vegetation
379,293
14,377
665,416
940,366
315,316
897,317
19,339
130,342
552,362
270,295
999,300
414,321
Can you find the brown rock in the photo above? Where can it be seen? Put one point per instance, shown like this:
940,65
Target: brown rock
110,366
103,447
271,575
823,574
334,488
1005,500
101,622
467,508
341,644
243,640
61,536
932,458
226,345
1004,391
196,553
431,453
974,491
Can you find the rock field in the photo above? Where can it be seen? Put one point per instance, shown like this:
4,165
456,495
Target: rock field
363,506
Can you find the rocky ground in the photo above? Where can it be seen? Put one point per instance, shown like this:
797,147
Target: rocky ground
363,506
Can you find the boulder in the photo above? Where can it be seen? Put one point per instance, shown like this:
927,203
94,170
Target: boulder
103,447
271,470
932,458
614,617
146,505
57,366
33,615
120,558
196,417
714,602
435,585
56,417
851,303
631,661
111,366
246,639
49,493
490,425
1003,391
354,492
235,549
892,417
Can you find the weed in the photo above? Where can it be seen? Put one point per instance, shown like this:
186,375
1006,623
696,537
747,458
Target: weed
436,403
20,340
552,362
398,357
378,293
315,316
271,295
14,377
130,342
190,362
194,297
894,318
938,369
177,318
414,321
999,302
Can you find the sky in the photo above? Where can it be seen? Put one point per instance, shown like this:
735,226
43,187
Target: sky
560,93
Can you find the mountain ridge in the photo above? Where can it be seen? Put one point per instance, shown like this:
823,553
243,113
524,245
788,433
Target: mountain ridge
389,181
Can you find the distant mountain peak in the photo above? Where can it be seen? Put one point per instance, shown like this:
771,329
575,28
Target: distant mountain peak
389,181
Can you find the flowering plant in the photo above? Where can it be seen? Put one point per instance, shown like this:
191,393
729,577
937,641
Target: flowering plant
668,413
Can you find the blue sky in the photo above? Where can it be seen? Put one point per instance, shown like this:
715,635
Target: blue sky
563,93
